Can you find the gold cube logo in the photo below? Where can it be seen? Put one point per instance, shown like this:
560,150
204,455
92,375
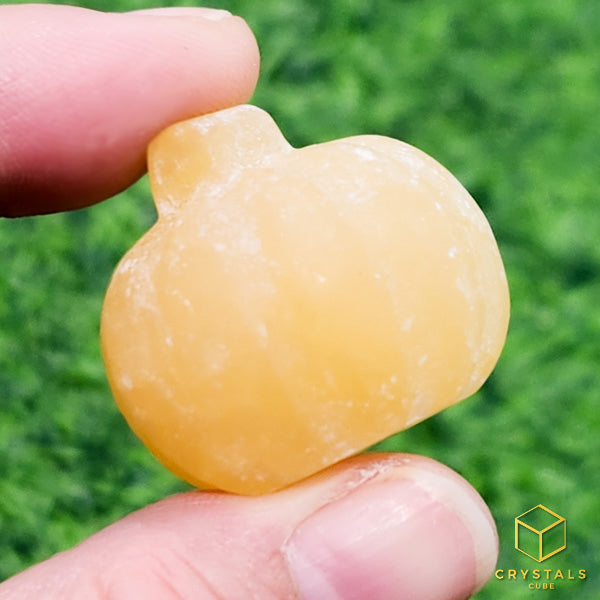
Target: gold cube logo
540,533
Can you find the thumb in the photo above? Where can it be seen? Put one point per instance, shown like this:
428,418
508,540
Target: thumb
378,526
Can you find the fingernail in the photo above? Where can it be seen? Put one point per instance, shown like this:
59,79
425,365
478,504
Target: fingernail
212,14
399,535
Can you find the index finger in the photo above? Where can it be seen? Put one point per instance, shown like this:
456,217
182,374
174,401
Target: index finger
83,92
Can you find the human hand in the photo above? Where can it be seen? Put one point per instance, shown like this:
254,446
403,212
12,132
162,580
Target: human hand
81,94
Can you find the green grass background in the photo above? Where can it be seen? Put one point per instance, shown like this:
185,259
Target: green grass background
506,94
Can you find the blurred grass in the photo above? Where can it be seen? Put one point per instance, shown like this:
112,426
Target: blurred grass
506,96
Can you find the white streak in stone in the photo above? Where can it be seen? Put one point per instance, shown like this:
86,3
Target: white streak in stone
364,153
126,382
408,323
262,331
217,356
384,390
249,244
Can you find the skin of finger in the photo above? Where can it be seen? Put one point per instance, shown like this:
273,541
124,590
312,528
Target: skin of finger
210,545
83,92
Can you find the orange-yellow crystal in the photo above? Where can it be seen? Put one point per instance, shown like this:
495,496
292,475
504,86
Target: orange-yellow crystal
291,307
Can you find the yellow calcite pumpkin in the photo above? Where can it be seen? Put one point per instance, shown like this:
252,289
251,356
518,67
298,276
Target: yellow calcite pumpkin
291,307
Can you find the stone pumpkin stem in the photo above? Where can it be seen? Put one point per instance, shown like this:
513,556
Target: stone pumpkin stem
206,156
